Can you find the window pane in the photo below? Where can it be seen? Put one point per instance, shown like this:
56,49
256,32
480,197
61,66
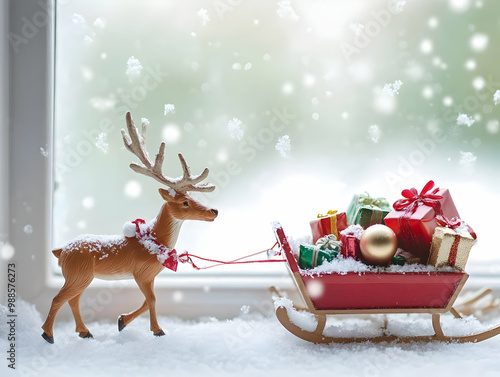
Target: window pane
294,107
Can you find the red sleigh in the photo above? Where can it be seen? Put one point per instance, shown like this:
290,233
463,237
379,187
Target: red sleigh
373,293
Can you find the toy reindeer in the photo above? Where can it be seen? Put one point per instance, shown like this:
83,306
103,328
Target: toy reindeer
140,255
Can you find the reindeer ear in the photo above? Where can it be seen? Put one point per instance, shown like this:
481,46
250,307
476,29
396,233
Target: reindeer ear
168,194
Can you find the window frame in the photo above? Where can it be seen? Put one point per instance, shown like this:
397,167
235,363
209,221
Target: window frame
30,127
31,70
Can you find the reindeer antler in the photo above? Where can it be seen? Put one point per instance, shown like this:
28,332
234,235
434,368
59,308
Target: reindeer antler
136,144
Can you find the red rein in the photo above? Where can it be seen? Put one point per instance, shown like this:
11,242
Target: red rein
173,259
187,258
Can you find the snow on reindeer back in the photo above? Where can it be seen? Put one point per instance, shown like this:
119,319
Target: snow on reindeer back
100,244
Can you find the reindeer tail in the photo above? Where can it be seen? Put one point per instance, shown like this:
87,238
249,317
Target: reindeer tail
57,252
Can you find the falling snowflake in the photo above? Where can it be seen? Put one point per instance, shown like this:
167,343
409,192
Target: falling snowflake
496,97
235,129
203,14
374,132
285,10
99,23
392,89
283,145
467,159
102,103
77,19
357,28
44,152
464,119
88,40
101,142
245,309
169,108
28,229
134,68
399,6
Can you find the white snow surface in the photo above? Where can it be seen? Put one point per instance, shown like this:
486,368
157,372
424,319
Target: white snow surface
248,345
366,327
341,265
96,242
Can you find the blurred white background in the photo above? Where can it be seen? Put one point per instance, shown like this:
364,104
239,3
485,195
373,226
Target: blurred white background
322,75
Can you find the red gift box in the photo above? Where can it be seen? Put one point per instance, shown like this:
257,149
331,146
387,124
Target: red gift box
332,223
414,218
350,242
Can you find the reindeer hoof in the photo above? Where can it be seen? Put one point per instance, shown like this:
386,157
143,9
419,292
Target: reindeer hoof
159,333
86,335
121,323
48,338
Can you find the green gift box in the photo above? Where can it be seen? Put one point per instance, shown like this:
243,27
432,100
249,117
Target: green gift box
315,255
365,210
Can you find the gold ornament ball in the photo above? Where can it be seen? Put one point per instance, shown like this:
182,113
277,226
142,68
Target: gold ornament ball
378,244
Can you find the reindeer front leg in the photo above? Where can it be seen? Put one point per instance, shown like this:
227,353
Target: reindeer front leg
147,288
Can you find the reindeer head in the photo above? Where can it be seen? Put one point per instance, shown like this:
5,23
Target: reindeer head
181,206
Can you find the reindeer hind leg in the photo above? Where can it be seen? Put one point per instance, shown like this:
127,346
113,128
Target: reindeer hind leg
73,287
66,293
83,331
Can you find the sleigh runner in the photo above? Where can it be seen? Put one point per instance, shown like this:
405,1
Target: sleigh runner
372,293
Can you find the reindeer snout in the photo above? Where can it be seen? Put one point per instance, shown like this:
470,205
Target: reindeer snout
214,211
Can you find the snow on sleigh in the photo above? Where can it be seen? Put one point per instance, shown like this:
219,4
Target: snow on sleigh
354,293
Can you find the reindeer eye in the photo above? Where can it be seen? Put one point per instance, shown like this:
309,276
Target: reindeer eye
185,204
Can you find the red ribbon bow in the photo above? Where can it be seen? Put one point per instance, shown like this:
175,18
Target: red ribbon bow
172,260
452,223
414,199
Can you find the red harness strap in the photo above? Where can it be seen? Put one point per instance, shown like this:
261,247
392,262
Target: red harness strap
186,257
171,258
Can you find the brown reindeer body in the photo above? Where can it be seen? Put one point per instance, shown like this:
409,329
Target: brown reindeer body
121,257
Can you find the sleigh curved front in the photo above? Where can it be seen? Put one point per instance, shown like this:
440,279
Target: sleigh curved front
373,292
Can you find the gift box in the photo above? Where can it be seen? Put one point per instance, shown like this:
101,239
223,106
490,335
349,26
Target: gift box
450,248
332,223
350,242
414,218
366,211
326,249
